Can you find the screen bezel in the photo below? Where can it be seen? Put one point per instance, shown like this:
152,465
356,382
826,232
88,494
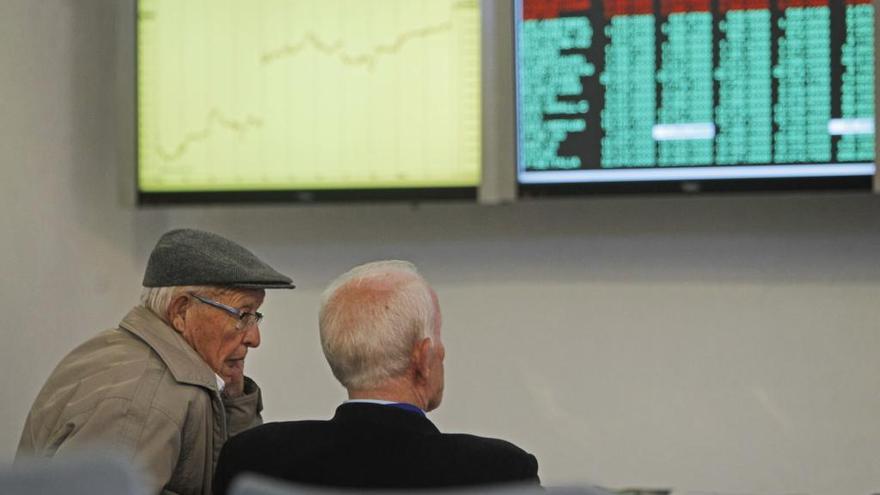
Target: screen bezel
783,182
308,196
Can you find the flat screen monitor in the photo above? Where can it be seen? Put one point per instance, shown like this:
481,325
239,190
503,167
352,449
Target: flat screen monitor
670,95
307,99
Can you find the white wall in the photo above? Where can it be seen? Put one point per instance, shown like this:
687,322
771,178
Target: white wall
703,343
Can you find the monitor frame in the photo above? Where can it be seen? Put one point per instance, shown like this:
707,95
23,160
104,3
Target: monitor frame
667,180
270,196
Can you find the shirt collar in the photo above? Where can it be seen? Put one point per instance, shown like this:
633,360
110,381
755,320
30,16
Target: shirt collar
402,405
369,401
220,383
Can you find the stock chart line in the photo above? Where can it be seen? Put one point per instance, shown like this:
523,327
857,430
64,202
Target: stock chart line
214,119
368,59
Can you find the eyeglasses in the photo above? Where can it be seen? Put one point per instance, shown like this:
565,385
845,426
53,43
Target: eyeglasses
246,319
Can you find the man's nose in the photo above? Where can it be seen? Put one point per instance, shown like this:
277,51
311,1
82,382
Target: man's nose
252,336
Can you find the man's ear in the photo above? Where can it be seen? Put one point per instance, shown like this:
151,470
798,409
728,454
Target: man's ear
421,359
177,312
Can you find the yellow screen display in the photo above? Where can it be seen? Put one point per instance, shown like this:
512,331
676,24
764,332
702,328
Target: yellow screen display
238,95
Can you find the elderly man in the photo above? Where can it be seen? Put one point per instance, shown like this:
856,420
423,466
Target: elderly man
166,387
380,331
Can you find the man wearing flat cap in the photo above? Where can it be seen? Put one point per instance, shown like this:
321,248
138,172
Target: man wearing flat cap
166,387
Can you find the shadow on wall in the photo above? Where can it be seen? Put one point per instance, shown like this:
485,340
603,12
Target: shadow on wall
102,125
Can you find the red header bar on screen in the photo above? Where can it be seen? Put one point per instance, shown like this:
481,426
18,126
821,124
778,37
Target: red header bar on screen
673,6
628,7
787,4
551,9
725,5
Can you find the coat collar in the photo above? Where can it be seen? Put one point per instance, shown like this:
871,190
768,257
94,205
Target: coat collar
184,363
387,416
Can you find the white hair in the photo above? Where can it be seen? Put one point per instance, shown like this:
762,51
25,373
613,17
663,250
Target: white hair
370,319
157,299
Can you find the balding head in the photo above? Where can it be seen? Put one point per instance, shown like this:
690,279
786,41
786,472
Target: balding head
371,319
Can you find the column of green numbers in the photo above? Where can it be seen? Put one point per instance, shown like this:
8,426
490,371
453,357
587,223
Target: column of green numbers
547,74
630,97
686,85
857,100
744,116
803,72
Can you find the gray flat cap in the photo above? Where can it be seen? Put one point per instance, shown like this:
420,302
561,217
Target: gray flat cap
196,257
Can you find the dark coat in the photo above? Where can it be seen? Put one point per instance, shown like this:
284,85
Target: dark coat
372,446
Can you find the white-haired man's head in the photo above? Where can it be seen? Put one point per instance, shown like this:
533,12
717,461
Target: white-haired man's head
380,332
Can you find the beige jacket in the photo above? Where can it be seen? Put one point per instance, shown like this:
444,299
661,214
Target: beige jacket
140,389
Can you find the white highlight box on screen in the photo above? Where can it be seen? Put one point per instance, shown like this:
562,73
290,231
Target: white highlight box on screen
844,127
683,132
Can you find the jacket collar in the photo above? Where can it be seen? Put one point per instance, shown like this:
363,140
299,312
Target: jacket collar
184,363
387,416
